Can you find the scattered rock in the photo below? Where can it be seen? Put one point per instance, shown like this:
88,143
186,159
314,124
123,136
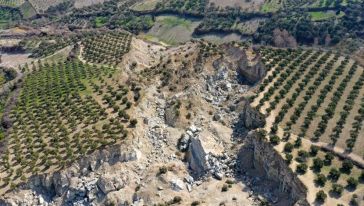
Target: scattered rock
177,184
40,200
217,117
189,179
219,175
189,187
160,188
183,143
196,158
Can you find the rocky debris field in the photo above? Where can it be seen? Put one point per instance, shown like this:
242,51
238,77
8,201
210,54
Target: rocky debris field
194,160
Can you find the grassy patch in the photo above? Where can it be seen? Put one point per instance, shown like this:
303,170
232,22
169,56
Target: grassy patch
60,55
173,21
2,79
27,10
145,5
8,16
3,23
320,16
172,30
271,6
100,21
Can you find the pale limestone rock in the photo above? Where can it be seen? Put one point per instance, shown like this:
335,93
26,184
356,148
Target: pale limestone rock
177,184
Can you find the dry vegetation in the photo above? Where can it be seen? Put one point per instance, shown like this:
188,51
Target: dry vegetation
83,3
253,5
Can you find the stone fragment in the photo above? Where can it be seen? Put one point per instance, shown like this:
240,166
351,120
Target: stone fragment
177,185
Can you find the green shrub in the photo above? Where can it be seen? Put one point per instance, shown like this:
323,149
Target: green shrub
274,139
289,158
301,168
352,182
314,150
230,182
163,170
177,199
337,189
302,156
346,166
320,180
354,200
298,142
317,164
224,188
321,196
133,122
334,174
195,203
288,147
361,178
328,158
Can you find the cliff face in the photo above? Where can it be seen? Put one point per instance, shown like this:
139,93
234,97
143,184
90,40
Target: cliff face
80,183
251,71
264,160
250,118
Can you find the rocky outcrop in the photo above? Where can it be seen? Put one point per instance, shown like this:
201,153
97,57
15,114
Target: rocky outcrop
78,183
171,113
249,117
262,160
196,155
203,158
251,71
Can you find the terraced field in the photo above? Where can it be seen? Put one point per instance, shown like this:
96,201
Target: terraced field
106,48
314,104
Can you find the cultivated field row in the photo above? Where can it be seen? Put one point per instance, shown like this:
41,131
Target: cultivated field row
317,97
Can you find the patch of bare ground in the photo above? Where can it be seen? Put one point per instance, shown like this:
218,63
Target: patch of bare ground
253,5
250,26
16,31
359,56
15,60
9,42
145,5
144,54
85,3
